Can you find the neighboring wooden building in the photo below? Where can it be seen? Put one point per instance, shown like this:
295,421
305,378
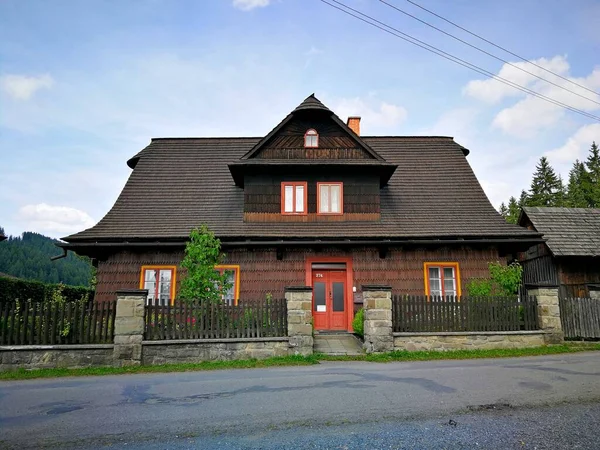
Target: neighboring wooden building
570,257
311,203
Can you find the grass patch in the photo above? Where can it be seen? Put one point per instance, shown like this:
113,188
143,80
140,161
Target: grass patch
405,355
23,374
400,355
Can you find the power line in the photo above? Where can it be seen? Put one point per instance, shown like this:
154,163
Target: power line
486,52
501,48
452,58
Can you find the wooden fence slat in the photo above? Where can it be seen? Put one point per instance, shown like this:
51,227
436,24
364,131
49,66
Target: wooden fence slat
54,324
32,327
4,317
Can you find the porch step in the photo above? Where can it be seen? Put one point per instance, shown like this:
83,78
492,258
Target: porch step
337,344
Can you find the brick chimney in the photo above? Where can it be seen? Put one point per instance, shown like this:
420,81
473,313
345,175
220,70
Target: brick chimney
354,124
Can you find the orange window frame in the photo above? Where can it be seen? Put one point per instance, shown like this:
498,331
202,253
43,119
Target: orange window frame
221,268
442,265
330,183
173,270
293,184
312,132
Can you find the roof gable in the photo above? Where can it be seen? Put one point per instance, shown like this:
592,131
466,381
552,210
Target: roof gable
311,113
568,231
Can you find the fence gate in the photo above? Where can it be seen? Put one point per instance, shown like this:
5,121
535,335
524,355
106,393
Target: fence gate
580,317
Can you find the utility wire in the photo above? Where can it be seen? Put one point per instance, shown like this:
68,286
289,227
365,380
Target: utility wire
399,34
487,53
501,48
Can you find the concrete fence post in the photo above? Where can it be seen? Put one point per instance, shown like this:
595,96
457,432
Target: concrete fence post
377,301
129,327
548,309
300,320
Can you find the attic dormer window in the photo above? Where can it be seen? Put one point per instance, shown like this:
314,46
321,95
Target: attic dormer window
311,139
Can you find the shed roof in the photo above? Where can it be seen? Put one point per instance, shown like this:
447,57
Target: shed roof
568,231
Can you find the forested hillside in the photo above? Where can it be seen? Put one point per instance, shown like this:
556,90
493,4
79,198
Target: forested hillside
28,257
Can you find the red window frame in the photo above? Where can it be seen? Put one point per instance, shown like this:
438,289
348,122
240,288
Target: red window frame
312,132
293,184
330,183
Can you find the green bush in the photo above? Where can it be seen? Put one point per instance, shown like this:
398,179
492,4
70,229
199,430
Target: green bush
12,289
358,324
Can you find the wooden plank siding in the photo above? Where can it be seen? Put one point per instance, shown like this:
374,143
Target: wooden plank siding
262,197
334,143
261,272
540,270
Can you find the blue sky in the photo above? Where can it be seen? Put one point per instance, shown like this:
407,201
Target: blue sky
85,85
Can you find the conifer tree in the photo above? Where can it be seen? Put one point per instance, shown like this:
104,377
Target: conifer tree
578,175
513,210
546,186
523,199
592,182
503,210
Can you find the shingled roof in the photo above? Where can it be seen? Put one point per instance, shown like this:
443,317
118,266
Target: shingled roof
178,184
568,231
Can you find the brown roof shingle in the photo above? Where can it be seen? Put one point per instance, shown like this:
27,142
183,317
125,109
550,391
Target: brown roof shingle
178,184
568,231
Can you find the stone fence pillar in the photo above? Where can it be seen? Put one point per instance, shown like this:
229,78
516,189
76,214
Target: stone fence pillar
129,327
300,320
548,309
378,335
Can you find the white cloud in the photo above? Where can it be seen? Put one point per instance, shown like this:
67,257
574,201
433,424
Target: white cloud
525,118
530,114
577,146
22,87
247,5
375,115
51,219
492,91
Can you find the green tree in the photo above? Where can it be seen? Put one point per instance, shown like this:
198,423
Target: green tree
503,281
202,254
523,199
503,210
514,209
576,195
546,186
592,181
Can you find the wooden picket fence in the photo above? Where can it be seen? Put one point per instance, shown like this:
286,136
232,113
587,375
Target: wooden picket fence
46,323
412,313
580,317
216,320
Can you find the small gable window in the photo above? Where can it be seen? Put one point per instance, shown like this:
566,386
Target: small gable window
293,197
311,139
330,198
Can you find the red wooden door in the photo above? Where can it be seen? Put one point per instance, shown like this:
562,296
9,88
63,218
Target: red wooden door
329,299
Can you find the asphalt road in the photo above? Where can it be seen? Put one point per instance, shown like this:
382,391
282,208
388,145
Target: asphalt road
538,402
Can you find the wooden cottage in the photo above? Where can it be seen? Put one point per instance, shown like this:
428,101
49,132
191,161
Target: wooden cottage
570,255
311,203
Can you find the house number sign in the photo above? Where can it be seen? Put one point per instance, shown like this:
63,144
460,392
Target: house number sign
319,275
